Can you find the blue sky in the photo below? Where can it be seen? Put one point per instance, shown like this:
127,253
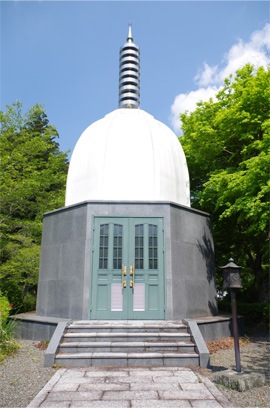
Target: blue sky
64,55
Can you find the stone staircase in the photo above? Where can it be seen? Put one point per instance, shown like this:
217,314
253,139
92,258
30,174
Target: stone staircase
126,344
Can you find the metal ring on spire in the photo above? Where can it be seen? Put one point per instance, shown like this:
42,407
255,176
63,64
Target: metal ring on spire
129,74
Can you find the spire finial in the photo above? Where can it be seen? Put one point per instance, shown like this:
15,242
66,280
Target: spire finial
129,74
130,38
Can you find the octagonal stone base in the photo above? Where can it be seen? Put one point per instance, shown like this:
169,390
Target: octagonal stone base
239,381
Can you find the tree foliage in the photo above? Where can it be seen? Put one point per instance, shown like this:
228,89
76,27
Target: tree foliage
226,143
33,176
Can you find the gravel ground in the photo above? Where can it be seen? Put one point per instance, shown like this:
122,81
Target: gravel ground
22,376
254,357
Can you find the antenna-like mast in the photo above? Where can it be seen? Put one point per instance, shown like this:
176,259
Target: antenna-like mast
129,74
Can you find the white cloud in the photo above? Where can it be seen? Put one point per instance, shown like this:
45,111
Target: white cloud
207,75
210,78
187,102
256,51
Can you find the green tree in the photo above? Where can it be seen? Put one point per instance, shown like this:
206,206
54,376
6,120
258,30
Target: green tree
226,143
33,176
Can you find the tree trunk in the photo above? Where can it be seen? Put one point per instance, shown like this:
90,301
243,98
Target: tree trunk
261,279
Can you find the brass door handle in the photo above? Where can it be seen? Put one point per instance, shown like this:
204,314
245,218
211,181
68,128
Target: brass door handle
132,272
124,272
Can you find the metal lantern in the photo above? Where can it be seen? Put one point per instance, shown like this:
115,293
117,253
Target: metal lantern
232,280
231,275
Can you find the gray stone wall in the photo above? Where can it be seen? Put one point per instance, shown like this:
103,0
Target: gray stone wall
65,263
193,264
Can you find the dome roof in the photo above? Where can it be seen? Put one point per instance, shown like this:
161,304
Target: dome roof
128,156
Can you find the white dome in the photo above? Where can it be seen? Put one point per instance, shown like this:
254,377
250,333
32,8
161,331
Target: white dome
128,156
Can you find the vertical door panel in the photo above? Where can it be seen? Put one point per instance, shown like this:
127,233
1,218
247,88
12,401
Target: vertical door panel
102,297
153,297
146,254
109,299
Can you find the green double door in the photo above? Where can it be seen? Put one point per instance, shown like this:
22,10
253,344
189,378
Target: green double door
127,269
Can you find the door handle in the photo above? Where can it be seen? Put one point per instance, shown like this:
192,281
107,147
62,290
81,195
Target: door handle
124,272
132,272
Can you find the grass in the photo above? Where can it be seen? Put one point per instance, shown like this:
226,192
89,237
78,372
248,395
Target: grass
7,344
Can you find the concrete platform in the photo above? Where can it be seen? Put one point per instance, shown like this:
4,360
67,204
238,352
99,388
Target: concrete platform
165,387
33,327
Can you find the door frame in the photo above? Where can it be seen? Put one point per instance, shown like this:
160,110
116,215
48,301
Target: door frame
94,217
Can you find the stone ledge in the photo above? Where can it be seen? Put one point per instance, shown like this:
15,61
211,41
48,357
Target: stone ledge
239,381
32,317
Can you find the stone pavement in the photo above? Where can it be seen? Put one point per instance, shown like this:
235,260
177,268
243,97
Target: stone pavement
111,387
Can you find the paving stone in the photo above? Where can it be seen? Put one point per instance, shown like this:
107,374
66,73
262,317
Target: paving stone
189,377
98,404
160,404
111,369
140,369
115,369
205,404
42,395
172,379
75,372
107,373
129,380
158,373
60,404
171,369
192,387
129,395
216,393
81,380
143,386
188,395
74,396
38,400
63,386
104,387
60,373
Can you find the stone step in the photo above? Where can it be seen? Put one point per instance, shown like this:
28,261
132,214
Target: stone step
126,344
123,359
117,346
125,336
115,326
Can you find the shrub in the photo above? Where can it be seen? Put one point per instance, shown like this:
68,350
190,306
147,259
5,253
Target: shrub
13,292
7,344
255,314
5,307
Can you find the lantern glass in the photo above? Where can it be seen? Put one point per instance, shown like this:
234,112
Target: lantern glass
231,278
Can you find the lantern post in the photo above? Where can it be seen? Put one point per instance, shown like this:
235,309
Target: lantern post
232,280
